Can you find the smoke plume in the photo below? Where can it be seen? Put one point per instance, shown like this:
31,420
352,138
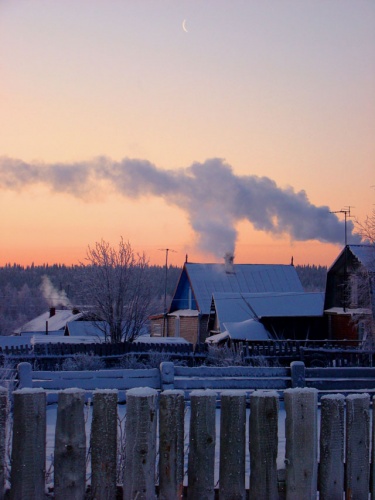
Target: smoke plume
53,296
214,198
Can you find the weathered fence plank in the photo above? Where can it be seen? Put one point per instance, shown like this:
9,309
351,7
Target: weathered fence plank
263,444
104,444
3,422
29,445
332,439
171,444
70,446
140,446
357,446
232,446
301,443
202,438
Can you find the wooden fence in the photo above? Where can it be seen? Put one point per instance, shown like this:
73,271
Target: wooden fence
187,379
155,427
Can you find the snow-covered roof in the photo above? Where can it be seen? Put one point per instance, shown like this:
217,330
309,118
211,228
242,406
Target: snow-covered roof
184,313
160,340
347,311
82,328
64,339
55,323
365,254
237,307
206,279
245,330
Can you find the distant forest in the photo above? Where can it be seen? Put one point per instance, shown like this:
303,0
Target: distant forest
23,297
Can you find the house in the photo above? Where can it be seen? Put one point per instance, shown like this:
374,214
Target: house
350,294
281,315
189,312
52,322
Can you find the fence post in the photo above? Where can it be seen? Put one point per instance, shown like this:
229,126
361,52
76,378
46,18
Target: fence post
232,445
3,423
301,443
332,438
263,444
70,446
104,444
171,444
25,378
29,444
140,445
201,460
167,375
298,374
357,446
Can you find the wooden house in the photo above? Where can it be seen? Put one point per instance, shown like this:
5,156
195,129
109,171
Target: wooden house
189,312
350,294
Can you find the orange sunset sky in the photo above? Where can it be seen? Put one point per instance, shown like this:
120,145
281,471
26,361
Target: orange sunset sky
241,133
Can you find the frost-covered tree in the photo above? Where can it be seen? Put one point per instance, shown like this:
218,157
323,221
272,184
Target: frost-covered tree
366,228
117,282
362,284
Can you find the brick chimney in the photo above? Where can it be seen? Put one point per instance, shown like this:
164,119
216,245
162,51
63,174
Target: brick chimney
52,311
228,260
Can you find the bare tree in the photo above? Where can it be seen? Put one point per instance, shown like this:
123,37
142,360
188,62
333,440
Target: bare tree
120,289
362,284
366,228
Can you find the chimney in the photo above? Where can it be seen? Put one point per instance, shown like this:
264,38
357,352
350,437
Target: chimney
52,311
229,259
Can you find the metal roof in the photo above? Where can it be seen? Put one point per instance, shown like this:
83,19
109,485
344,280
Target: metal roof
55,323
206,279
236,307
365,254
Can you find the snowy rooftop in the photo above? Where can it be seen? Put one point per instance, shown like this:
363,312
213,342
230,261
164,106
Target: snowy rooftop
160,340
237,307
55,322
244,330
207,279
64,339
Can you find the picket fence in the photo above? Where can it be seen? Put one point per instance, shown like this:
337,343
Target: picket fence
154,427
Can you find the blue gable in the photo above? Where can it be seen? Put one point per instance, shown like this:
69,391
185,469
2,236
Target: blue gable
199,281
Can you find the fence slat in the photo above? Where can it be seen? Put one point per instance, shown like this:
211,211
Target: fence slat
232,446
202,437
301,443
29,445
3,422
70,446
263,444
140,446
171,444
104,444
332,439
357,446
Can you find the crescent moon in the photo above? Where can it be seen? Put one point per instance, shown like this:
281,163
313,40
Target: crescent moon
184,26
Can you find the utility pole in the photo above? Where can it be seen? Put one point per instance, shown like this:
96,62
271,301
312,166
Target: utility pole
166,250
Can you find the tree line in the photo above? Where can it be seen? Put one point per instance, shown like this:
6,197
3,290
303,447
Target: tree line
116,288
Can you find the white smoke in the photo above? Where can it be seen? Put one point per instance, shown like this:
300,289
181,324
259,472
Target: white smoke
214,198
53,296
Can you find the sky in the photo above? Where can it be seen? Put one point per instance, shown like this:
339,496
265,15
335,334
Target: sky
240,133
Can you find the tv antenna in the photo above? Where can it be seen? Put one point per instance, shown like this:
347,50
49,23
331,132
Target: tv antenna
166,250
347,214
